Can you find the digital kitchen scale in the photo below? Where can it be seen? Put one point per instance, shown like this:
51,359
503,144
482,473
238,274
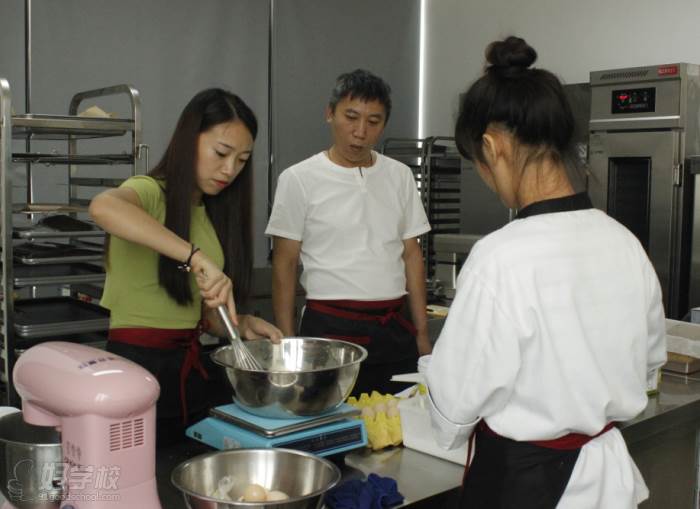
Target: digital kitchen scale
230,427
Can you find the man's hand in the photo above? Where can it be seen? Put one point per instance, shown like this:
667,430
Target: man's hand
252,327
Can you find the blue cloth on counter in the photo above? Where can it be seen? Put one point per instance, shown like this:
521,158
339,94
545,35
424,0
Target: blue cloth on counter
375,493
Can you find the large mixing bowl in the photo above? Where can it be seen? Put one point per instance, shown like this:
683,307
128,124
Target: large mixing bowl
301,376
30,463
302,476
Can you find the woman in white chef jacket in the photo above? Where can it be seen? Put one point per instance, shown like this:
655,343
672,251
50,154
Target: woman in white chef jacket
557,320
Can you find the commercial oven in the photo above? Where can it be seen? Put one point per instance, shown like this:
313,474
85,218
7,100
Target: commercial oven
643,139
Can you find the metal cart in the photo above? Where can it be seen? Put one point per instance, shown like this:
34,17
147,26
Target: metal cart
436,166
66,260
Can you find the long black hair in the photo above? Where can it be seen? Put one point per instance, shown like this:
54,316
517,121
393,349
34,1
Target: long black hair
230,211
529,102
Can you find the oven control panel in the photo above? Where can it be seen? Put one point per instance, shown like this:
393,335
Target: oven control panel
634,100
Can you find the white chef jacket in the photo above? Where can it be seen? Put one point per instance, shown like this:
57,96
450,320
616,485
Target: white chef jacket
555,325
351,223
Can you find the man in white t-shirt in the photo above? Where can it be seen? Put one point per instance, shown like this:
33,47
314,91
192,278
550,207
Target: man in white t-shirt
354,217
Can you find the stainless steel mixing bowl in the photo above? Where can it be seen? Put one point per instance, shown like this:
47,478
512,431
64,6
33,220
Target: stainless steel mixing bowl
301,376
302,476
30,463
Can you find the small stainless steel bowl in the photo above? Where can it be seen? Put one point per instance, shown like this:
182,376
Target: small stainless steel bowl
30,463
302,476
301,376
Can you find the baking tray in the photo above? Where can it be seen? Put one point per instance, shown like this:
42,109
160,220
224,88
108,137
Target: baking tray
39,232
60,259
39,158
97,339
58,315
46,254
36,275
37,208
62,127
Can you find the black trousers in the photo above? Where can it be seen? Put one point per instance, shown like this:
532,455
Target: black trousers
391,348
506,474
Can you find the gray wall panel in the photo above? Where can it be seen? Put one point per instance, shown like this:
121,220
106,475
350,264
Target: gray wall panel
315,41
167,49
170,49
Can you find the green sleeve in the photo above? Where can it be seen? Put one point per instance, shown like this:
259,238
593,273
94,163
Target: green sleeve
149,191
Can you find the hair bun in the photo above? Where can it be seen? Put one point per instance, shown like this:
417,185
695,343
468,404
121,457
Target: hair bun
509,56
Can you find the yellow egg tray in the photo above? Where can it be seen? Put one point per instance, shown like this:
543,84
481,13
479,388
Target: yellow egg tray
381,416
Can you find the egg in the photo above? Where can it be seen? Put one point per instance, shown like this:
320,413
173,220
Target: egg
392,402
367,412
379,408
254,493
392,412
223,488
275,495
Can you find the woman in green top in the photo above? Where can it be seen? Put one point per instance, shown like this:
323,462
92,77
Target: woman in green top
180,245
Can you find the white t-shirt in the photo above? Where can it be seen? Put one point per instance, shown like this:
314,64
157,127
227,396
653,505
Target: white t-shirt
556,323
351,224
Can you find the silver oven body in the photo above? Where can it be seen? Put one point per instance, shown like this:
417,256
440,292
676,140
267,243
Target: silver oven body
643,136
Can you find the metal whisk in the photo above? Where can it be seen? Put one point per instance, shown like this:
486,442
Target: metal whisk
244,358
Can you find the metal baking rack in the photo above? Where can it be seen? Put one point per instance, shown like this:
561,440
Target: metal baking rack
31,319
436,166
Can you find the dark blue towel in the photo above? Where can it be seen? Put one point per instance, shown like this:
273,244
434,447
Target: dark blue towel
374,493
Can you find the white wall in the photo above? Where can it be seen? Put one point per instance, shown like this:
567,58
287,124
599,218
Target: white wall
572,38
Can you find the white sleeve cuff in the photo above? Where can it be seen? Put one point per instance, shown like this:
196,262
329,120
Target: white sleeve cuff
271,231
448,434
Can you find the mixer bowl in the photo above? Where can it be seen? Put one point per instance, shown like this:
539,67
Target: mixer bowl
30,463
301,376
302,476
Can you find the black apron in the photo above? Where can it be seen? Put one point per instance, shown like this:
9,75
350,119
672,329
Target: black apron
504,473
386,333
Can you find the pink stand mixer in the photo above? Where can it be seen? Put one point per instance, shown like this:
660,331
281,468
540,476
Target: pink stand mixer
104,407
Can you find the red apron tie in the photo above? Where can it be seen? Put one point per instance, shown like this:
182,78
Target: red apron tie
568,442
168,339
353,310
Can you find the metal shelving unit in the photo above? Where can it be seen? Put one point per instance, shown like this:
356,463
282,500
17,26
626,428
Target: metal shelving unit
436,166
28,261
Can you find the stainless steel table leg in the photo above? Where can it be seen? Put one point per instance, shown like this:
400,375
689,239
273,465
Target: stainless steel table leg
696,492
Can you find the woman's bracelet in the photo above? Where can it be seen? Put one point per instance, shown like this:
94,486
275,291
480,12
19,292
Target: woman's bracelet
187,266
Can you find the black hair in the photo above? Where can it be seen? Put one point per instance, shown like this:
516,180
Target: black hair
361,84
530,103
230,211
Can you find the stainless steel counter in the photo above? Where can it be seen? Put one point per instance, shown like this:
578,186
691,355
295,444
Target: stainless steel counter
422,479
662,441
